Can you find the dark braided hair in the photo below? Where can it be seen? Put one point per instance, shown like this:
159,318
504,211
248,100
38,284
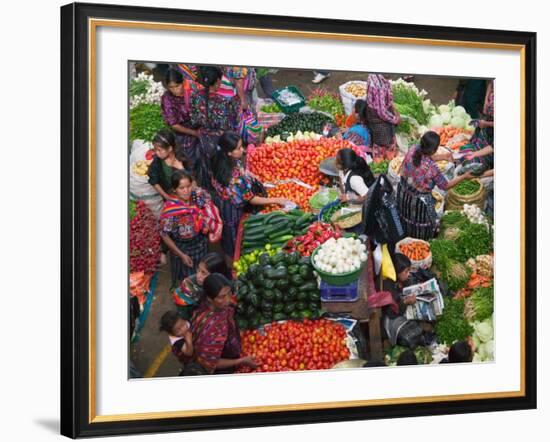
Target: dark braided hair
172,76
222,163
358,166
208,76
428,146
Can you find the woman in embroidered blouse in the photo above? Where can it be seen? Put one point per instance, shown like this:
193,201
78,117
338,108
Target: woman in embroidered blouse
214,112
381,114
234,188
420,174
187,219
216,336
176,111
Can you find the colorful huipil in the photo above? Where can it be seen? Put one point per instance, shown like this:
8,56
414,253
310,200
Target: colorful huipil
231,200
177,110
188,224
415,201
215,336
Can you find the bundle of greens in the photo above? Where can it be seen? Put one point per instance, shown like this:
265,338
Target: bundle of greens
454,218
408,102
452,326
138,87
446,259
474,240
322,100
467,187
132,209
480,305
145,121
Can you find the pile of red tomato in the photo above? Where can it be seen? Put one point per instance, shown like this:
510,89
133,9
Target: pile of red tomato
294,192
295,345
297,159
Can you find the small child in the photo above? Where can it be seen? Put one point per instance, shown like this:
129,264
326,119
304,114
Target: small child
189,294
460,351
179,334
407,358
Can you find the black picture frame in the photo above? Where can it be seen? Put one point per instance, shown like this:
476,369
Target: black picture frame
76,418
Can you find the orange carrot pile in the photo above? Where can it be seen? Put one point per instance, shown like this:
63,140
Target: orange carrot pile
415,250
447,133
476,280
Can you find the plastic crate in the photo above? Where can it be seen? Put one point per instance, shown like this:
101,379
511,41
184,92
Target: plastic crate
294,107
342,293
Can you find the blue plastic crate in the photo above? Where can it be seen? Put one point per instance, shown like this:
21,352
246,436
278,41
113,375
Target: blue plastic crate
341,293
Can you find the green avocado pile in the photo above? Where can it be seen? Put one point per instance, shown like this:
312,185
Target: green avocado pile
278,287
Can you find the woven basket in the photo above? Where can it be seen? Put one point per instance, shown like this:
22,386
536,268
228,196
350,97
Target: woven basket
456,201
349,222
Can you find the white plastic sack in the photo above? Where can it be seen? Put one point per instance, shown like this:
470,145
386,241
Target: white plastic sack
348,100
140,189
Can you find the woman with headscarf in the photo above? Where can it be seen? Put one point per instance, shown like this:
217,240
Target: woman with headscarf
381,114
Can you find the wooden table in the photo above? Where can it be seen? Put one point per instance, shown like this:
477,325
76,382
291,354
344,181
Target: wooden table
360,310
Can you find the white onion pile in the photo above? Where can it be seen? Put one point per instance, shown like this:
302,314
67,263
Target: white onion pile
342,255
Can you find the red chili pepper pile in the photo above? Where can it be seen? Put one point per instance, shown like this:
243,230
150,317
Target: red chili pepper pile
316,235
293,345
144,240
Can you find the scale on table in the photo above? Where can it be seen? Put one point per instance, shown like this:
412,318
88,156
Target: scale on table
339,293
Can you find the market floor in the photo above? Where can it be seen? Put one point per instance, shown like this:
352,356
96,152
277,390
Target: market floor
150,353
440,89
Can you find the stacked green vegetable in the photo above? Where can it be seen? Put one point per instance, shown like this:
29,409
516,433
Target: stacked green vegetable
408,102
467,187
379,167
279,287
272,108
480,305
322,198
310,122
145,121
138,87
446,260
474,240
132,209
275,229
328,213
246,260
452,326
324,101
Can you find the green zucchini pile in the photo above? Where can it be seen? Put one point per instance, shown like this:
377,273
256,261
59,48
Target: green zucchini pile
274,228
278,287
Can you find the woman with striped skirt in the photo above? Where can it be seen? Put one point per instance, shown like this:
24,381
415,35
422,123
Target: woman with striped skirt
420,174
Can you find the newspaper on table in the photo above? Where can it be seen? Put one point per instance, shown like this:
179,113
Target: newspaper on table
429,301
